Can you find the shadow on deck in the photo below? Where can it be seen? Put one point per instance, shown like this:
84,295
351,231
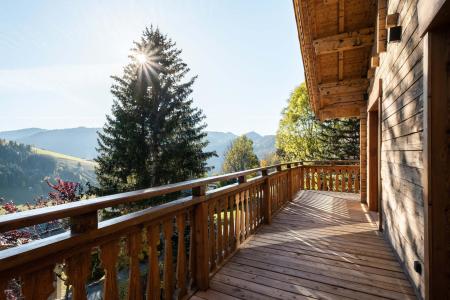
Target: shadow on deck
323,245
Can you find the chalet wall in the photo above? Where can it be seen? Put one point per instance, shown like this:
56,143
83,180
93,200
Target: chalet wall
402,204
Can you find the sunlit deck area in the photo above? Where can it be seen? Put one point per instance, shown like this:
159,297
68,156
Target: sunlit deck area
322,245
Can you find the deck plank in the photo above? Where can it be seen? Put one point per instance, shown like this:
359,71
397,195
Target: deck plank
322,245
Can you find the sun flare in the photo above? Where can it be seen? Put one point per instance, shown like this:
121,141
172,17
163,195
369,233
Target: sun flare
141,58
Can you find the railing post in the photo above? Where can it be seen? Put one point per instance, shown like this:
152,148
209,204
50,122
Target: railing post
201,246
290,183
302,180
241,214
267,201
84,223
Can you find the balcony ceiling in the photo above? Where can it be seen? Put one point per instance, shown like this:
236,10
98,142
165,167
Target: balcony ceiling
336,38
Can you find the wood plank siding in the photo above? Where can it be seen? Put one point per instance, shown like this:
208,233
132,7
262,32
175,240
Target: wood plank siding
323,245
400,73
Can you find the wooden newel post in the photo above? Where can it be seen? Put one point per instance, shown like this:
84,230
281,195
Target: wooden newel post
84,223
242,179
302,183
201,246
267,201
290,183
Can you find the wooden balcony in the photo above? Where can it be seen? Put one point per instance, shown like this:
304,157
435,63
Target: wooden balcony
322,245
288,231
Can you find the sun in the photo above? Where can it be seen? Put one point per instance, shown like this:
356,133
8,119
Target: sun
141,58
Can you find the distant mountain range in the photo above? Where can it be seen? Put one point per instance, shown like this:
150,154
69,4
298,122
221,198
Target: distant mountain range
81,142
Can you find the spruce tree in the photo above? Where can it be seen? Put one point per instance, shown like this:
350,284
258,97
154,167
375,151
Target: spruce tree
155,135
339,139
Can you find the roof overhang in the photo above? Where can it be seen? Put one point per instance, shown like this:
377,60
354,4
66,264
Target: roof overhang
336,39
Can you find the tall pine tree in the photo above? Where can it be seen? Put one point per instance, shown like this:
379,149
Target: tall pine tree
155,135
339,139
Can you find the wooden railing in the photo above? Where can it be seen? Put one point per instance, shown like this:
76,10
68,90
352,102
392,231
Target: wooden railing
180,244
331,176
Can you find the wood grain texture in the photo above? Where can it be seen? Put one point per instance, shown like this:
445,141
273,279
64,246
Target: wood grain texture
39,285
153,278
134,281
109,253
78,267
291,259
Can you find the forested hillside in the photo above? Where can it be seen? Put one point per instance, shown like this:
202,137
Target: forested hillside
79,142
24,171
82,141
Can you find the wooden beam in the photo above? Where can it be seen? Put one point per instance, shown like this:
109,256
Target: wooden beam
349,86
374,61
339,110
341,99
341,30
370,73
392,20
341,16
381,26
344,41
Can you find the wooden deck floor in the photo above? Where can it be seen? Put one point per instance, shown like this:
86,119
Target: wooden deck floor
323,245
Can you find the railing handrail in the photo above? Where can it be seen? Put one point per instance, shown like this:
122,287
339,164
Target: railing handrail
17,256
350,161
41,215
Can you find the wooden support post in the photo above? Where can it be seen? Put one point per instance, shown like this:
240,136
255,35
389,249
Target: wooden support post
381,33
84,223
290,183
267,201
302,183
392,20
363,153
372,160
201,245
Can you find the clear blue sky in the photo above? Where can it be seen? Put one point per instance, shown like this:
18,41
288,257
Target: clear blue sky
56,58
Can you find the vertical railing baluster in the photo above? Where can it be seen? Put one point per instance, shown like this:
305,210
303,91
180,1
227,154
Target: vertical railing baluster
109,254
233,212
38,284
336,179
226,228
251,208
219,232
168,259
134,279
243,217
319,179
191,271
237,224
181,256
212,237
78,267
153,277
247,213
